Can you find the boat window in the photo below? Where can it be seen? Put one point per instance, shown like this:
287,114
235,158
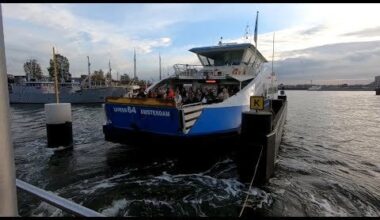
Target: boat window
222,58
245,83
248,57
203,60
210,61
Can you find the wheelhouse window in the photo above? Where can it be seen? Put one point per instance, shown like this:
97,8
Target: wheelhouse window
248,57
206,61
221,58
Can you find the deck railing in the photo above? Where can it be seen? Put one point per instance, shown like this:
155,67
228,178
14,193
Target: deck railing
198,71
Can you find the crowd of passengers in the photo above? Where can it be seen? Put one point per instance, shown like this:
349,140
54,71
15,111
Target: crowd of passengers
183,95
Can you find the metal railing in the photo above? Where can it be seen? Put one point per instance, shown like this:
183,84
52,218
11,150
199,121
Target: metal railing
197,71
57,201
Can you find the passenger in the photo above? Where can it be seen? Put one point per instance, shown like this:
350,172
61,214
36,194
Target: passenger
190,96
198,96
184,97
152,94
159,95
170,93
204,100
220,93
178,99
210,96
141,93
183,92
226,95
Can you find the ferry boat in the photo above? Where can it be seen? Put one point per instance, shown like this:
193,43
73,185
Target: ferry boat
233,67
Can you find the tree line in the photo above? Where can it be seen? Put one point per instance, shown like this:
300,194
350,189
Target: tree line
33,70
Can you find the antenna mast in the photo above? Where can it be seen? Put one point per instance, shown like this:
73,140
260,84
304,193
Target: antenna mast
272,74
134,64
159,56
55,77
247,32
273,53
89,72
109,66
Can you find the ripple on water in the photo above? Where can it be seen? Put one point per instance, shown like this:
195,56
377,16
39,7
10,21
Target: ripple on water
327,166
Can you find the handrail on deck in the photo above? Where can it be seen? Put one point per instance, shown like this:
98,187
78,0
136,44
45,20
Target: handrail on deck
57,201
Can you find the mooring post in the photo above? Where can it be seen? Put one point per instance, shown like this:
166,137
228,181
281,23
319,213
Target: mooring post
254,128
59,125
8,197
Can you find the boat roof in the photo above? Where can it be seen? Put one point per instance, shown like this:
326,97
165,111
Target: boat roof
226,47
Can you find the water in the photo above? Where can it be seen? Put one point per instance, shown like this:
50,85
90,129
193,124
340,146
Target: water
327,166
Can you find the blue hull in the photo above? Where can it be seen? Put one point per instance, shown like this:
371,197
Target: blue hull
138,124
149,139
167,121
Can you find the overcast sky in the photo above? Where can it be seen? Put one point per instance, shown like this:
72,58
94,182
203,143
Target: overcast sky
326,43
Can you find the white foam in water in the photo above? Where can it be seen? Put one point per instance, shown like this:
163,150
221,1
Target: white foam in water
165,176
58,113
157,203
96,187
115,208
60,148
45,209
324,204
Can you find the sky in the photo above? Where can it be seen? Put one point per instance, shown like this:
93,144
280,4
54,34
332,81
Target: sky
325,43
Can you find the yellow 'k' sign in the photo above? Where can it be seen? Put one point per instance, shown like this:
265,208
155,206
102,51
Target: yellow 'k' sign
257,102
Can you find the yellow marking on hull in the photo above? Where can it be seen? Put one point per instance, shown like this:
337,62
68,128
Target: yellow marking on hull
140,101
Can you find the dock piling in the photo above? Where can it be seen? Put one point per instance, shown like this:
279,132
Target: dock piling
59,125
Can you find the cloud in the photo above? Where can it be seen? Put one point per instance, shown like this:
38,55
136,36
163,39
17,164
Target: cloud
35,28
313,40
344,61
368,32
313,30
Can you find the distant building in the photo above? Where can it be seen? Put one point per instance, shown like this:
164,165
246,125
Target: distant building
19,79
124,78
377,81
76,79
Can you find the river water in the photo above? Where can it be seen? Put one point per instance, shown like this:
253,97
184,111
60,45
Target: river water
328,165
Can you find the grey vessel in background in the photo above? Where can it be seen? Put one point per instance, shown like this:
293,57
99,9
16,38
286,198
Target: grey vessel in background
36,92
43,92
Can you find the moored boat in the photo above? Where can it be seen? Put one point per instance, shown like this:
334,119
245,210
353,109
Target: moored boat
69,92
315,88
